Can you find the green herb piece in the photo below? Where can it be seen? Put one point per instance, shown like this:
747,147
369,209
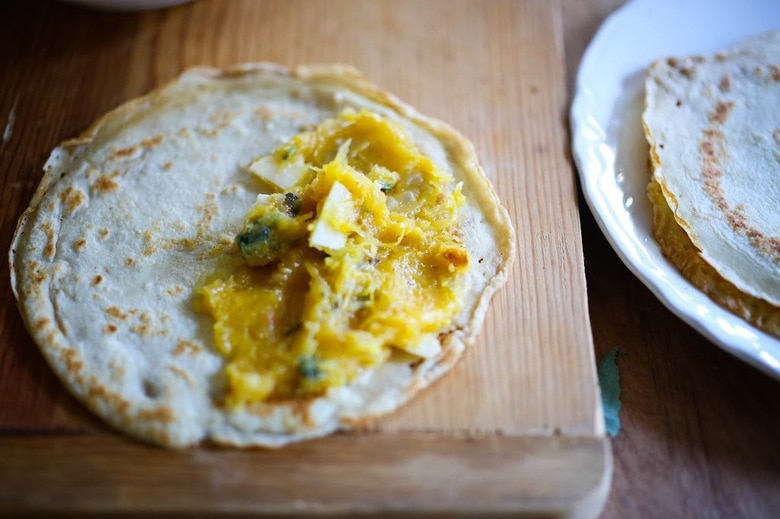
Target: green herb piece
293,329
257,243
609,381
309,368
288,152
293,204
264,239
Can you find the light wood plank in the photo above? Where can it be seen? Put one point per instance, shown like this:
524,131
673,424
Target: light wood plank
493,70
390,474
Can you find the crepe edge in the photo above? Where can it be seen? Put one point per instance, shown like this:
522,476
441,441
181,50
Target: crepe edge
463,154
685,256
673,234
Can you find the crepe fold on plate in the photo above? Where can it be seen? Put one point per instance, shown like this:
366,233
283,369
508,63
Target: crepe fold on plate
713,126
257,256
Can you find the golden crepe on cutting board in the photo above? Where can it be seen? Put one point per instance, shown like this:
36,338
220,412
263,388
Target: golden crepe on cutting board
258,256
713,126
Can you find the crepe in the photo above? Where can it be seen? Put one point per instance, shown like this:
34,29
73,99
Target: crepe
713,126
131,215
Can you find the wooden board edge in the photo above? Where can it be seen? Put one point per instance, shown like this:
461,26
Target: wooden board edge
380,474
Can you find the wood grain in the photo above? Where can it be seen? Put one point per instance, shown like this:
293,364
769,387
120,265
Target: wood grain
536,342
526,394
344,473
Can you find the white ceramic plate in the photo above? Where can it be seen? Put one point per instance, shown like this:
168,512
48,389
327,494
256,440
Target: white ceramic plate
611,153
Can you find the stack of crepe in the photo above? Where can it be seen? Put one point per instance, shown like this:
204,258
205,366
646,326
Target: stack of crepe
713,126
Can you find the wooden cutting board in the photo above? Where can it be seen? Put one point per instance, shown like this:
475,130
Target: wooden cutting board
515,428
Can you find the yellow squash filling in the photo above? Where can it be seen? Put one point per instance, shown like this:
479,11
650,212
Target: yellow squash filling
356,254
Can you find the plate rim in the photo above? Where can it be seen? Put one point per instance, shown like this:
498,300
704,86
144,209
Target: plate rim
750,351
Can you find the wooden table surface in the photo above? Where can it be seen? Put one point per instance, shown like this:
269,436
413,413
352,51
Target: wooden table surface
700,429
516,427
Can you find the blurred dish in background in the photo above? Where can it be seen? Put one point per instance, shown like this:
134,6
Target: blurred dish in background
127,5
